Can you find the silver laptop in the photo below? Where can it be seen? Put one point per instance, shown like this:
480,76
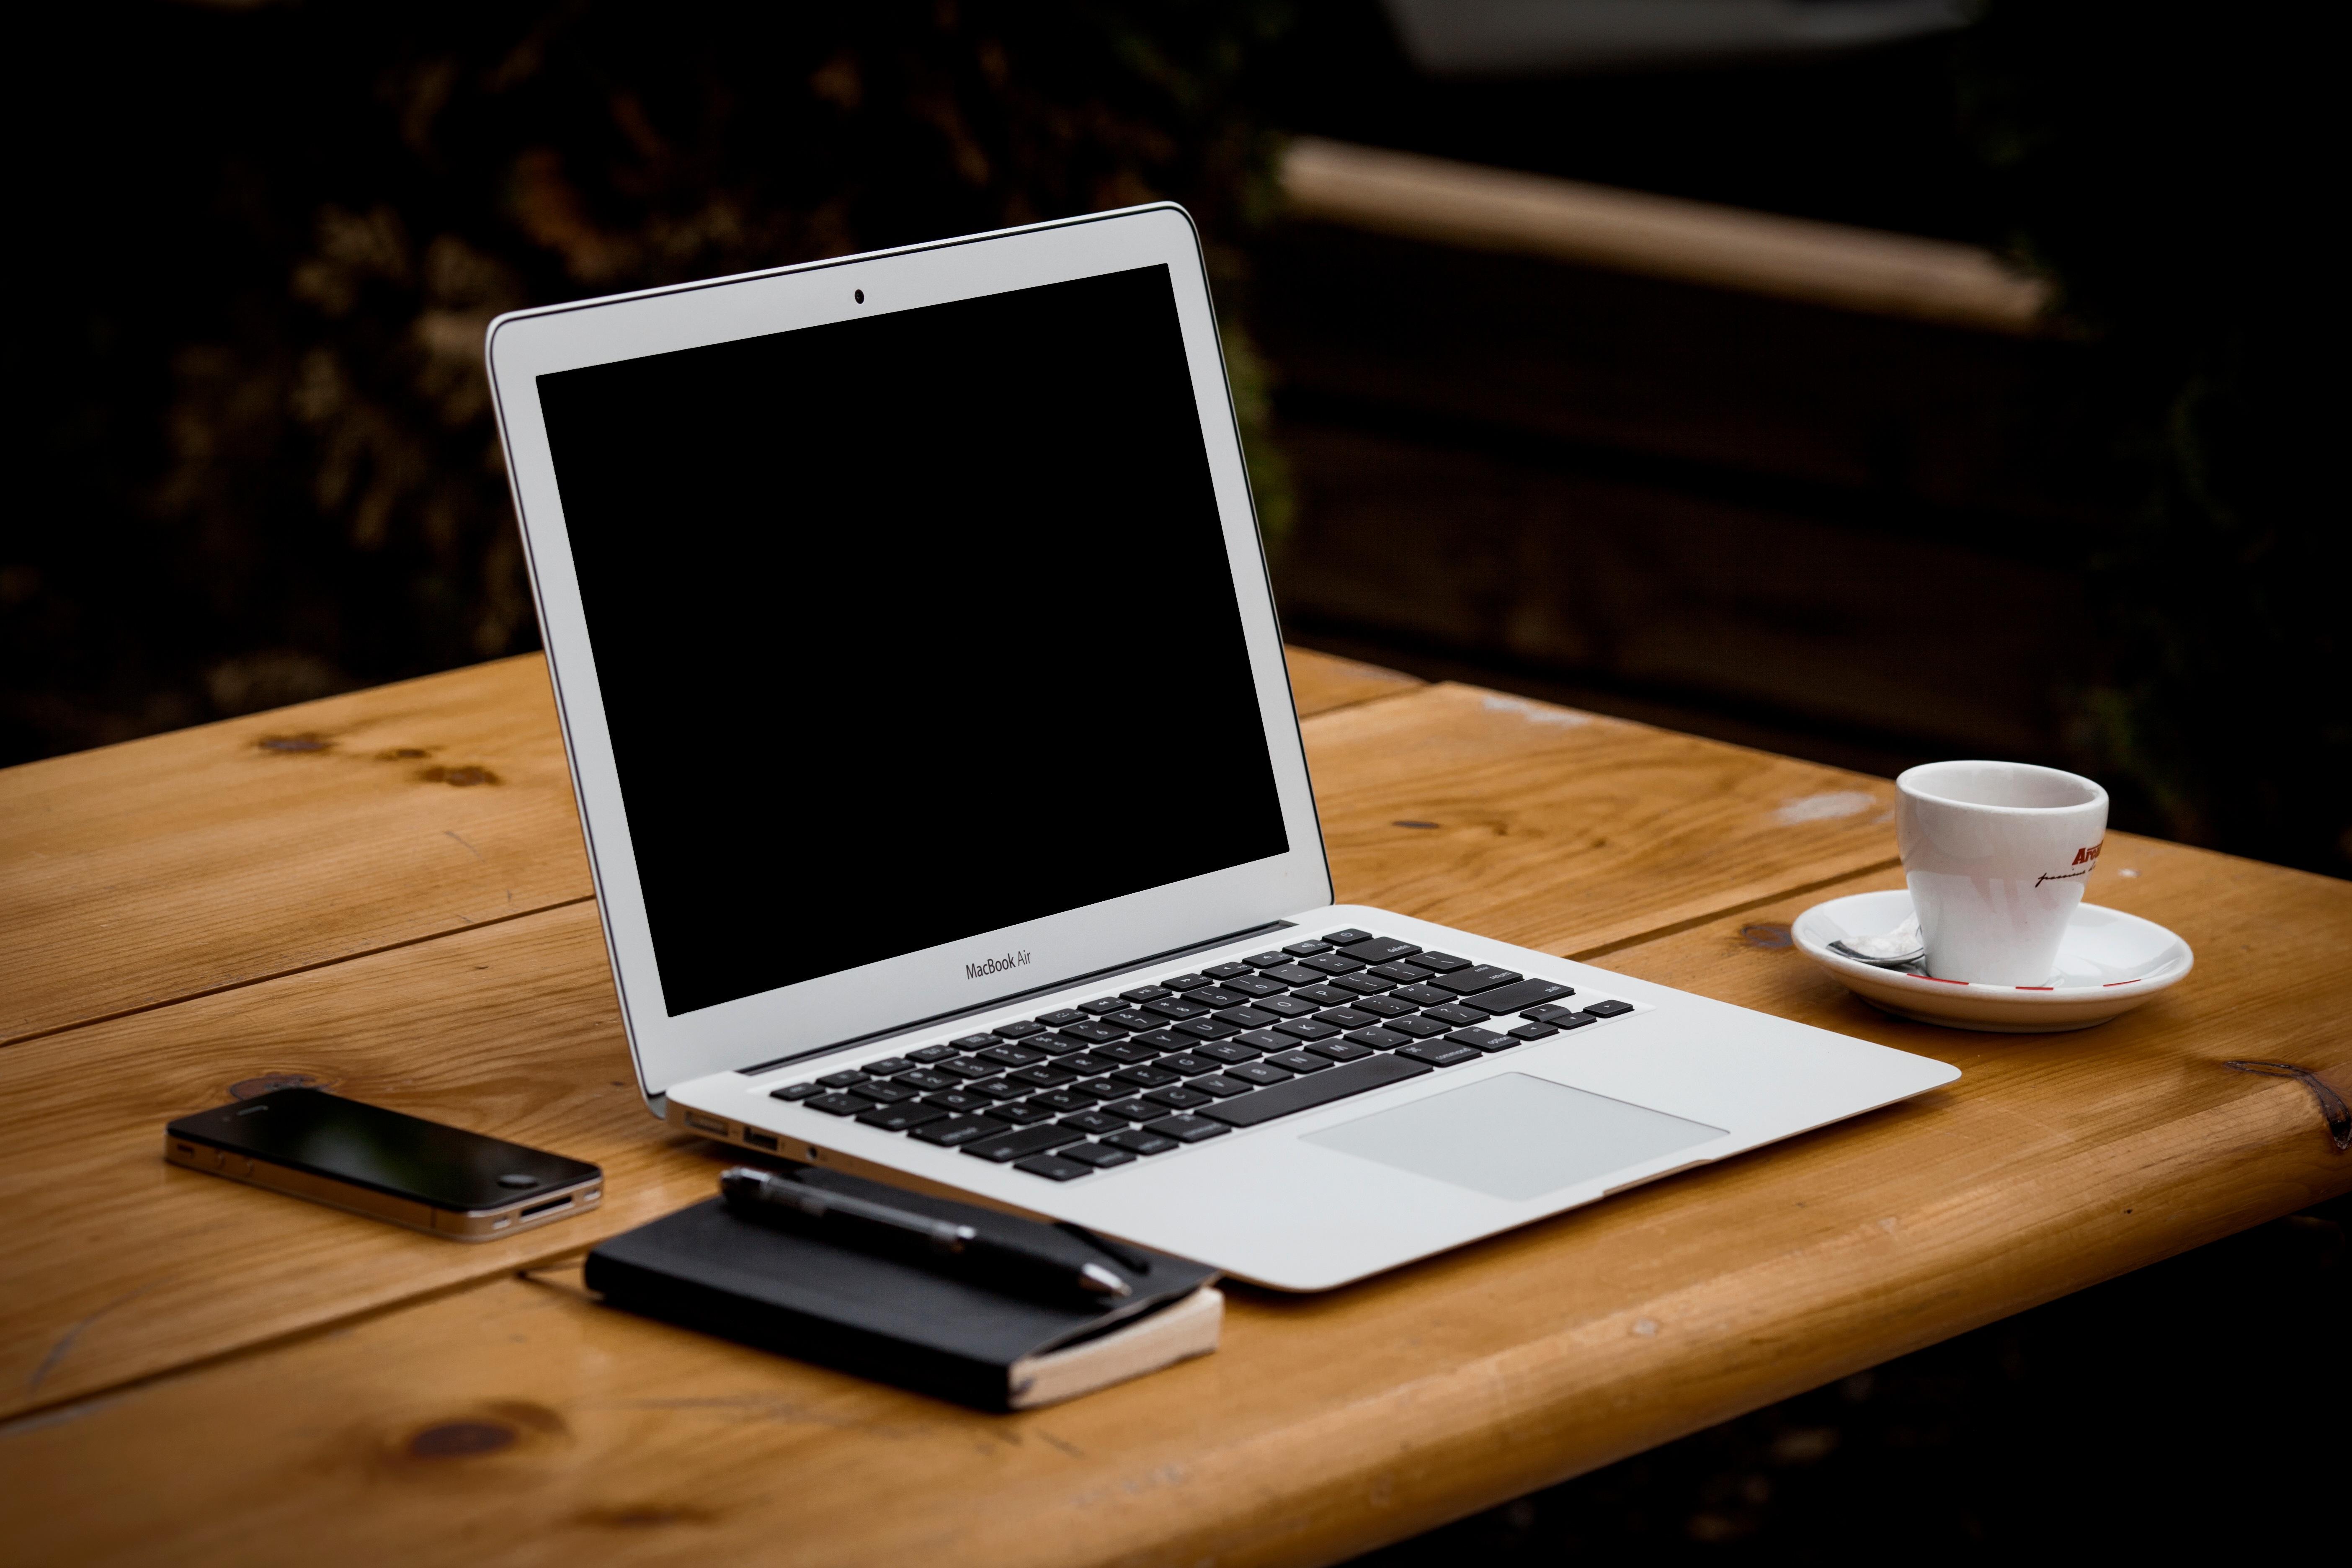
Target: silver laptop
947,806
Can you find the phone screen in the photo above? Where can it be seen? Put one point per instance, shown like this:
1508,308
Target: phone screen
311,1129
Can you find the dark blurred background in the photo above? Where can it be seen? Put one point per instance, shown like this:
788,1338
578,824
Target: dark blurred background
257,246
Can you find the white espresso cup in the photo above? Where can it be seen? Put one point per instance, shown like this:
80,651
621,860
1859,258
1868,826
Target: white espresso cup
1996,855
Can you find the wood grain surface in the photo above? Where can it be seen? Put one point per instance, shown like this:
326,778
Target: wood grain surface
511,1030
137,875
512,1421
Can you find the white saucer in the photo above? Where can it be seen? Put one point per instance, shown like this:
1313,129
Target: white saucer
2109,964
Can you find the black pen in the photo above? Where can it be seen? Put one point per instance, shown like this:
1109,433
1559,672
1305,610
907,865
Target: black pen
959,1249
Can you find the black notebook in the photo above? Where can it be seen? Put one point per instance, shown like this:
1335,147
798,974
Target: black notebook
900,1322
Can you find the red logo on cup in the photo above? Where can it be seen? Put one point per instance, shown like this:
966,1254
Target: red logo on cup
2084,856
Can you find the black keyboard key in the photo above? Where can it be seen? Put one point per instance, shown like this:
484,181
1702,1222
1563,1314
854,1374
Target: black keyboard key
1382,1006
888,1067
1306,948
1009,1056
1380,1039
1248,1017
966,1069
1144,1077
1128,1054
1378,949
1551,1012
958,1130
1286,1006
1307,1093
1480,1039
1324,995
1146,993
1419,1027
1192,1129
1265,1041
1291,974
1133,1109
1438,1053
925,1079
1042,1077
973,1042
842,1080
1251,985
1347,937
1331,963
1340,1050
1102,1005
886,1093
1061,1017
796,1091
1266,960
1225,1051
1186,1064
1258,1073
1207,1029
1136,1141
1453,1013
1534,1032
1402,974
1179,1097
1075,1099
1185,982
1422,996
1086,1032
1054,1045
1087,1064
1052,1167
1519,997
1437,963
958,1100
901,1118
1018,1029
1225,972
1346,1018
1096,1155
1176,1007
1364,985
1307,1029
1300,1061
1477,978
1216,996
1000,1148
1022,1114
1162,1040
1610,1009
1092,1121
1220,1084
930,1054
839,1104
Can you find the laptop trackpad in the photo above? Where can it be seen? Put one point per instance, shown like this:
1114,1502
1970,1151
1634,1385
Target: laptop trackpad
1514,1136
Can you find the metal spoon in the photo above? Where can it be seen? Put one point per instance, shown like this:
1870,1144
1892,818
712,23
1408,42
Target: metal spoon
1895,949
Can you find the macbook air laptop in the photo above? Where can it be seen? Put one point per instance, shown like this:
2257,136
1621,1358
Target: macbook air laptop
947,811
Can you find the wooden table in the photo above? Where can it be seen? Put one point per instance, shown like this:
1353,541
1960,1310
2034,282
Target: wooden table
385,893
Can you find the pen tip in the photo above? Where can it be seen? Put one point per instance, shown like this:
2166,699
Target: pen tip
1103,1282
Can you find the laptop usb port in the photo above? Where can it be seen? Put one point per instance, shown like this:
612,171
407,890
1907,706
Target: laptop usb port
761,1140
552,1205
701,1123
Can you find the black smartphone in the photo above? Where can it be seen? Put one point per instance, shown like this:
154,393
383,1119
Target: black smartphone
384,1165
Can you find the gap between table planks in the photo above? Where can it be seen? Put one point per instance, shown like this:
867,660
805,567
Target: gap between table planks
1565,830
1326,1425
136,875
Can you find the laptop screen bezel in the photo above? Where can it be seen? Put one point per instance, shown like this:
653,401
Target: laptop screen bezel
893,993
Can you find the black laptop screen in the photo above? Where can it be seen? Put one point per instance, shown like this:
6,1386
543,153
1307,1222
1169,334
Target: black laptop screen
910,629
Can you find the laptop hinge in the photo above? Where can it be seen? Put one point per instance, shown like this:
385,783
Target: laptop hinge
936,1019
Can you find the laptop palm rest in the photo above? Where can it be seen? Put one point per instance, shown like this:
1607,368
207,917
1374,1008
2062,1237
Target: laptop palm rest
1514,1136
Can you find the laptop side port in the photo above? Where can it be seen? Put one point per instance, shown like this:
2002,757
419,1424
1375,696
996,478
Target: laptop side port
761,1140
701,1123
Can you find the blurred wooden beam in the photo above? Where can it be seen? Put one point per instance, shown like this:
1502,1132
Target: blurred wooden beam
1665,237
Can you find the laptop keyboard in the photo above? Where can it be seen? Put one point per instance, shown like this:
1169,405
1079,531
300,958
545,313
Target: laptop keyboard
1160,1068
